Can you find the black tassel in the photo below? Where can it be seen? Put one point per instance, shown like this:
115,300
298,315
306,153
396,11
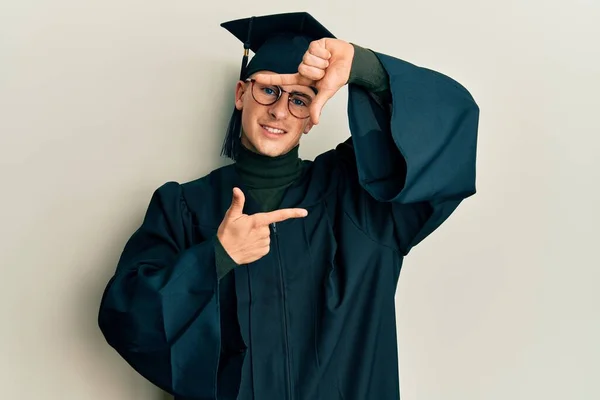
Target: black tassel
244,64
247,45
233,141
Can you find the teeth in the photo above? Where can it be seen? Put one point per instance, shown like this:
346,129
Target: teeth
272,130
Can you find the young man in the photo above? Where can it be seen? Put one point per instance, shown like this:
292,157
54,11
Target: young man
274,278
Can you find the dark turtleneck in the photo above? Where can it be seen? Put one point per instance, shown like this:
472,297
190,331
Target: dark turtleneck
267,177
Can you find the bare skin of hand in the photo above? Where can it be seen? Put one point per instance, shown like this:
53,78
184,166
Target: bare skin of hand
247,238
326,65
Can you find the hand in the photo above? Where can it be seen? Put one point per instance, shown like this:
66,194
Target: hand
247,238
326,65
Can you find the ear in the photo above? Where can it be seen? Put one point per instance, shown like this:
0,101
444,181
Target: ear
240,89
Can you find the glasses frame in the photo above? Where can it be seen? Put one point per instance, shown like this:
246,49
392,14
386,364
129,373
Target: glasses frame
281,92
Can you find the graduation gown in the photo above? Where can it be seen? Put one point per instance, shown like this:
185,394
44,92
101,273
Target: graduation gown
315,318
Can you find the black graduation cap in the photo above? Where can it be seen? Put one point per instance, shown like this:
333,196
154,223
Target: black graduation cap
279,42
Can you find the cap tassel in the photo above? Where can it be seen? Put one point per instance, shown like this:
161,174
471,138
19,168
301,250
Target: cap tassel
246,50
244,63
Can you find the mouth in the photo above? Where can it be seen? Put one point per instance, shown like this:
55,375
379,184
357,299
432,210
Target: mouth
272,131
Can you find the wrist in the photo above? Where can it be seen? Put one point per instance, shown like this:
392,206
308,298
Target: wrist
367,71
224,261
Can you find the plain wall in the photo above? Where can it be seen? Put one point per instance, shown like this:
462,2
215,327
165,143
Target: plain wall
102,101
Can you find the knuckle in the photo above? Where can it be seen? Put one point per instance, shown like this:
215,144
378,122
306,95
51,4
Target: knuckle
316,50
309,72
303,68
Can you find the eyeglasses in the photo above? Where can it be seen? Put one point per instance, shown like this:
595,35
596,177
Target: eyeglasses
266,95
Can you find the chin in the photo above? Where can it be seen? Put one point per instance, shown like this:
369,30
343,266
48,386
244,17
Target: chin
268,148
270,151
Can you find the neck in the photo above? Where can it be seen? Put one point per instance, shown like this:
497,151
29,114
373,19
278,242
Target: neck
259,171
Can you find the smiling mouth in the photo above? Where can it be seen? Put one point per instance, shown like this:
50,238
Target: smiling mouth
273,131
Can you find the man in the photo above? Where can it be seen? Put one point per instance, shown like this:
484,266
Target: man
274,278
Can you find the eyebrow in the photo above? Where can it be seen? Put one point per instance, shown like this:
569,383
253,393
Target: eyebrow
303,94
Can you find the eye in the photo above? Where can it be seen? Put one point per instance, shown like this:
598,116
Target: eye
269,91
299,101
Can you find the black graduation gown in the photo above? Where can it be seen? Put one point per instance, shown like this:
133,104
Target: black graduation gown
315,318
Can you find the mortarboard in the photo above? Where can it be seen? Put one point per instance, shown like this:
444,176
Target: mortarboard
279,42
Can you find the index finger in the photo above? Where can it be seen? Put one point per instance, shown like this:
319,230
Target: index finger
318,49
283,79
279,215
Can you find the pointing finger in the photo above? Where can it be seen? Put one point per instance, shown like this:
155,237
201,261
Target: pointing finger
312,73
279,215
283,79
314,61
317,48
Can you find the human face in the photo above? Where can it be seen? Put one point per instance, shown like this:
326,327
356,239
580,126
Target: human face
259,121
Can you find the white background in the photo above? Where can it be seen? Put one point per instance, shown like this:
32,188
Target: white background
102,101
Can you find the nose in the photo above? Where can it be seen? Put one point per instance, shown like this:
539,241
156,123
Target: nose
279,109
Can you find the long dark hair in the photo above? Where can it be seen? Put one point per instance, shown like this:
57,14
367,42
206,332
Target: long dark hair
232,143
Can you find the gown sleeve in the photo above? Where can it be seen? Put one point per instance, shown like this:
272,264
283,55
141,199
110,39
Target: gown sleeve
410,162
160,310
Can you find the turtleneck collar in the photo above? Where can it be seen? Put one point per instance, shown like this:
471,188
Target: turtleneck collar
263,172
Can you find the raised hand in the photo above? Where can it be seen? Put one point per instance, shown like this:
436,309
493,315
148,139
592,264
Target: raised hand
247,238
326,65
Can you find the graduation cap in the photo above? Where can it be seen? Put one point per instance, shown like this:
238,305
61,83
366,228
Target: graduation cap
279,42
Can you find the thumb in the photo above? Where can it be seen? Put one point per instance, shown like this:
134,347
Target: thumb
318,103
237,204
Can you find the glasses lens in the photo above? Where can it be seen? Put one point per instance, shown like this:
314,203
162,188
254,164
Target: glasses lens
265,94
299,105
